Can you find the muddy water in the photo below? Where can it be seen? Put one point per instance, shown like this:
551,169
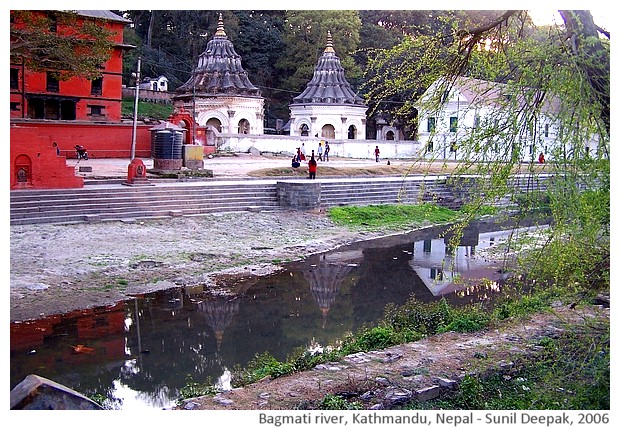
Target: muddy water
139,353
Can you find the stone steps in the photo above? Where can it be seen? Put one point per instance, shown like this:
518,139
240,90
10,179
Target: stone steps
116,202
128,203
394,191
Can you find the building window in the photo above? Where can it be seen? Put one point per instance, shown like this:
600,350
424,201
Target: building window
14,79
429,146
243,126
426,246
48,108
52,85
328,131
304,130
453,124
96,110
352,132
96,87
430,124
16,106
476,121
546,130
215,123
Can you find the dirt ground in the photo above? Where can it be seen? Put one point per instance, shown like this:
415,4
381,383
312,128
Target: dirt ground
58,268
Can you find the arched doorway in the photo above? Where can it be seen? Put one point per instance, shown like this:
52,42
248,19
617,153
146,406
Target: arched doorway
303,130
23,171
244,126
389,135
215,123
352,132
186,135
328,131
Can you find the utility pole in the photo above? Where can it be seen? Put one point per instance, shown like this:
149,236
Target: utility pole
135,113
194,110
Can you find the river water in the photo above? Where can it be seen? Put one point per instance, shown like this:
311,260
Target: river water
139,353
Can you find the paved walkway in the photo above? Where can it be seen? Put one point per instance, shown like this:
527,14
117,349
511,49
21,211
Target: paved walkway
233,166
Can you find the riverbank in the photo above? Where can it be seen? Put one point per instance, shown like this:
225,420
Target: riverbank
59,268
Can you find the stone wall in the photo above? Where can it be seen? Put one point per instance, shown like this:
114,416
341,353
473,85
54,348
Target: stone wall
302,195
284,144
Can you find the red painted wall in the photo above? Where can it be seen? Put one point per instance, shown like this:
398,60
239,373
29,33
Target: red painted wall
38,166
100,140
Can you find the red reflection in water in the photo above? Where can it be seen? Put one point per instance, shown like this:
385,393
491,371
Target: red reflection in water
82,327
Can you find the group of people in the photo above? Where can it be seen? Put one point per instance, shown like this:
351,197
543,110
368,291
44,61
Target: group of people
322,155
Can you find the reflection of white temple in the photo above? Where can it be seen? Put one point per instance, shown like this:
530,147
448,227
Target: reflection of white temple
327,276
444,270
218,314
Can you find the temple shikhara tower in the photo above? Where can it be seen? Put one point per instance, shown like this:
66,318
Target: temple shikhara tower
328,107
219,91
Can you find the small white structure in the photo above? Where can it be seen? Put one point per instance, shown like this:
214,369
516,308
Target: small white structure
155,84
219,92
328,108
451,112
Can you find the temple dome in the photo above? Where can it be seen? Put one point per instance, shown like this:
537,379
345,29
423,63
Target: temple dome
328,84
219,70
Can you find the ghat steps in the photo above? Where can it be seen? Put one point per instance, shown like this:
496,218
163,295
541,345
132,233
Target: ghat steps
115,202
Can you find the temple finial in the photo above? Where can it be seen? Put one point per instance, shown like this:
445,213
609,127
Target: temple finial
330,45
220,28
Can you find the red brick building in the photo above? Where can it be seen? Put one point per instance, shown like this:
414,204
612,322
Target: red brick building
39,95
45,110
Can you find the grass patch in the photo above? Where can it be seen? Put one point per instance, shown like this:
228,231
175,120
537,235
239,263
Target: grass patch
146,109
391,215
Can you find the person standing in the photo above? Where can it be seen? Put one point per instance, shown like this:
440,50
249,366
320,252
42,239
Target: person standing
326,150
377,153
303,151
312,164
320,151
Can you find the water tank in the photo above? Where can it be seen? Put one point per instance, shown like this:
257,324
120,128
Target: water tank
167,144
167,147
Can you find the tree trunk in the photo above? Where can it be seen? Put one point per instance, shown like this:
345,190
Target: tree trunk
591,56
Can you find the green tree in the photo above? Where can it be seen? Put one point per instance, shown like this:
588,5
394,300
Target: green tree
260,45
78,52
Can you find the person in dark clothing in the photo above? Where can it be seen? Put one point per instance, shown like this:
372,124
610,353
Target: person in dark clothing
377,154
312,165
326,151
295,162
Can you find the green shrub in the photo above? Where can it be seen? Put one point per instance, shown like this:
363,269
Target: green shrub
336,403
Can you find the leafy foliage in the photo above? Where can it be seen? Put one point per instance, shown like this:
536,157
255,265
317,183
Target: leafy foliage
59,42
541,72
305,40
333,402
